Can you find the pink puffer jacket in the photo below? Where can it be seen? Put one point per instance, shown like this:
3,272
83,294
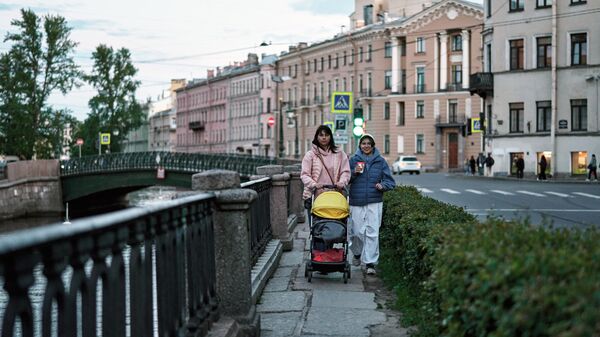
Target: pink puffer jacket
313,172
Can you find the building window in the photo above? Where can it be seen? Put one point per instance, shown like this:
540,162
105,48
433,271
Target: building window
452,111
488,51
517,5
322,64
420,111
386,144
388,79
386,110
516,54
543,3
400,116
344,59
544,52
351,56
420,86
516,117
368,14
579,114
420,144
420,45
578,49
314,65
578,2
360,54
328,61
388,49
337,59
369,53
489,8
457,42
544,116
457,74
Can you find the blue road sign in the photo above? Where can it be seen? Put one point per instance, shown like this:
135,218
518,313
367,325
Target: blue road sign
341,102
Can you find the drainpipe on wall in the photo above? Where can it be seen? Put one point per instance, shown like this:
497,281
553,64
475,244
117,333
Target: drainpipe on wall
553,94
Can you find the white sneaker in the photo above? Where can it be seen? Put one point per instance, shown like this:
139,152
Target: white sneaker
356,261
587,179
371,271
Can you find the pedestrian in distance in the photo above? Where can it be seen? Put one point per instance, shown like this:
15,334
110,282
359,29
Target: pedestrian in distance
472,165
481,163
543,165
489,162
324,164
371,177
592,166
520,167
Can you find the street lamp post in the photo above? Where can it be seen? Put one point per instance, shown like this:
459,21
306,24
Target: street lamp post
281,146
296,145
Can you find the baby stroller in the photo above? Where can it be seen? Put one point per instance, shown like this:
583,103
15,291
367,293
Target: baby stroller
328,240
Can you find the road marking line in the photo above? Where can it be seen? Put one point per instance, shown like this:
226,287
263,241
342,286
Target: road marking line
476,192
559,194
474,210
447,190
587,195
502,192
424,190
531,193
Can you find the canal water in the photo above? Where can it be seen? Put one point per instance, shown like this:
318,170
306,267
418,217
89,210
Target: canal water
143,197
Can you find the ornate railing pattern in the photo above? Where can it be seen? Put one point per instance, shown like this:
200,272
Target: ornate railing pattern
171,161
260,220
113,263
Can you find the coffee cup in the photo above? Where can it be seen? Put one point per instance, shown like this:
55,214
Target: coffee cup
360,166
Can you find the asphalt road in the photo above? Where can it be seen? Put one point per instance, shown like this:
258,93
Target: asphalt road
560,204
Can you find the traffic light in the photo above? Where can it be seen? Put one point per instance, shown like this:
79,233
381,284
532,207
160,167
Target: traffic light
359,121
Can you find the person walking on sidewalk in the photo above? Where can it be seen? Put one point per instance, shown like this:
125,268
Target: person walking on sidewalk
489,162
543,164
520,166
472,165
324,164
371,177
592,166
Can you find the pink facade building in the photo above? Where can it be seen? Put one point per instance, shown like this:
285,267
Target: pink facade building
407,64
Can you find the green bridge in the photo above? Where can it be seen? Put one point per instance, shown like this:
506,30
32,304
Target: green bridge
120,173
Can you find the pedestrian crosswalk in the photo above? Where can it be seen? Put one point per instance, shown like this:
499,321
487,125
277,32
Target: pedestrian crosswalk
543,194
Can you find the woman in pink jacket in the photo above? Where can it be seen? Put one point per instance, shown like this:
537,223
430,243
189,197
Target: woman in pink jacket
324,164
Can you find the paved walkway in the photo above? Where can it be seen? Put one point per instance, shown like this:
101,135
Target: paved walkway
291,306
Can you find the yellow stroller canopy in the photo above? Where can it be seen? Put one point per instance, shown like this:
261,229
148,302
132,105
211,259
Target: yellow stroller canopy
331,205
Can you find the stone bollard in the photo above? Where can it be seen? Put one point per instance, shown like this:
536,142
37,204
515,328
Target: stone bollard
281,224
296,188
232,245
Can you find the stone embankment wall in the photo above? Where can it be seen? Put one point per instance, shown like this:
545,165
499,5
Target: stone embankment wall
31,188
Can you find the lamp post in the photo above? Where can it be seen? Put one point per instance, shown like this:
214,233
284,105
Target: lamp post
292,115
281,146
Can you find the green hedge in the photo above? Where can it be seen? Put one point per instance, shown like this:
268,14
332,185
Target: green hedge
492,279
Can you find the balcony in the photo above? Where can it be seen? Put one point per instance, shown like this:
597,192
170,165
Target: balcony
419,88
453,87
453,120
482,84
196,126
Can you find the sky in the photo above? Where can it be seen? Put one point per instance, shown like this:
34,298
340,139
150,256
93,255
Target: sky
180,38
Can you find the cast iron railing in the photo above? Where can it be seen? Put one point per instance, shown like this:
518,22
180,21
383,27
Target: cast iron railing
110,275
260,217
171,161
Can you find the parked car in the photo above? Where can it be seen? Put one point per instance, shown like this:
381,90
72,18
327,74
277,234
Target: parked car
406,164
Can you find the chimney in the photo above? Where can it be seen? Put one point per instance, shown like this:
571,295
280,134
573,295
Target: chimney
210,73
252,58
292,49
302,45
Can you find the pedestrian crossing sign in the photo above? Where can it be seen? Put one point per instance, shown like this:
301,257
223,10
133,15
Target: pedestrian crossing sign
341,102
105,138
476,125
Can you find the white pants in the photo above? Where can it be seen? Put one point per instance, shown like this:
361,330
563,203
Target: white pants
363,232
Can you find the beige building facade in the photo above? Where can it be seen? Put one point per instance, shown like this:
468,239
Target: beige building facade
410,75
162,119
543,58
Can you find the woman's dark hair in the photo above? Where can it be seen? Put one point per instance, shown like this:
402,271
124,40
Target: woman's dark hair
327,130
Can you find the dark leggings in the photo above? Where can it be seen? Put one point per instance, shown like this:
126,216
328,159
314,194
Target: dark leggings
590,174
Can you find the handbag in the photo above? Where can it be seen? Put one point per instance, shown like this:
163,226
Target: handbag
333,182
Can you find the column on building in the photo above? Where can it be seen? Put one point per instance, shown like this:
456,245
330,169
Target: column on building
436,65
443,37
395,64
466,66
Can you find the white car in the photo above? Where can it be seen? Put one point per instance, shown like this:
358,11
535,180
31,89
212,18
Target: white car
406,164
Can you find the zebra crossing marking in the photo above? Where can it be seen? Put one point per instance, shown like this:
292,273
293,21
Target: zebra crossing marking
502,192
532,193
424,190
447,190
562,195
476,192
587,195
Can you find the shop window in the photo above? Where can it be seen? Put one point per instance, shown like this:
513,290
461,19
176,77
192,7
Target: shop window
579,162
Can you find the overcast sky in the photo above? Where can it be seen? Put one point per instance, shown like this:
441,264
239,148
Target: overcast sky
181,38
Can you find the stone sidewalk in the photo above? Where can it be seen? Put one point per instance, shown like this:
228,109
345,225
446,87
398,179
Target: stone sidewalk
291,306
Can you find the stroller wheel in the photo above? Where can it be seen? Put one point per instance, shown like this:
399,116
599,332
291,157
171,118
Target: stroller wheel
309,277
349,270
345,276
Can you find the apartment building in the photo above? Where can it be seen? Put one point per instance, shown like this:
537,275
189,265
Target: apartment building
408,65
162,119
540,83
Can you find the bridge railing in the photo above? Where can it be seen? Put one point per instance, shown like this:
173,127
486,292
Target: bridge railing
261,231
97,276
171,161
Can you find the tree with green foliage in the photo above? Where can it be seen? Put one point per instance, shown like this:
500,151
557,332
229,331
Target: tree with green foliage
114,109
38,63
